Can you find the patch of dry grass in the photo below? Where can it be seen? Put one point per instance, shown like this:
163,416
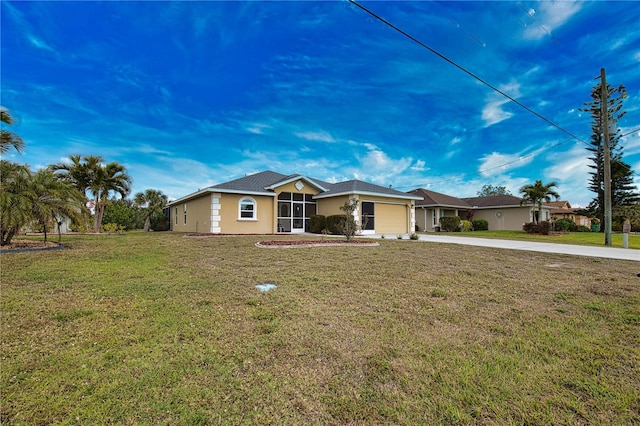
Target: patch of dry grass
18,243
158,329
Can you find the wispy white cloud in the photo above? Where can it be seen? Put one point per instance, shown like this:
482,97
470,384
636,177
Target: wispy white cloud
257,128
34,40
419,166
378,167
469,186
39,43
572,163
493,113
549,16
570,169
631,141
170,177
496,163
319,136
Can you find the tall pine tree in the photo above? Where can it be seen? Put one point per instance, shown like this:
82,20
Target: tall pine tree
622,188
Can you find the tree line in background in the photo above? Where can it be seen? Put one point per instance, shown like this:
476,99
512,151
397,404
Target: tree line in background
81,192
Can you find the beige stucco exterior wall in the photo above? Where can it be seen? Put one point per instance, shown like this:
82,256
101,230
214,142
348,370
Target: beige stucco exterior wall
392,215
198,215
511,218
331,206
230,223
424,218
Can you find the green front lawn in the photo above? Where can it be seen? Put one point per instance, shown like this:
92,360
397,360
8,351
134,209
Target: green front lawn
161,329
579,238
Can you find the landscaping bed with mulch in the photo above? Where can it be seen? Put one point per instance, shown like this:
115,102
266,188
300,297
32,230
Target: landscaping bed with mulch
293,242
209,234
28,245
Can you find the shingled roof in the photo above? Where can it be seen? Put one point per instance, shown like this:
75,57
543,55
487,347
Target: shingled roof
493,201
262,183
432,198
437,199
363,188
254,183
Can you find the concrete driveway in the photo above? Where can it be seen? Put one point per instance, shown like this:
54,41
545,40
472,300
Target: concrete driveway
592,251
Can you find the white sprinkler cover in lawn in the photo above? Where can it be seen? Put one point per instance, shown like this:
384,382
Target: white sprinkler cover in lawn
265,287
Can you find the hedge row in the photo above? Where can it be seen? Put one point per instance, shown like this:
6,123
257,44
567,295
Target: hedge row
542,228
333,224
454,224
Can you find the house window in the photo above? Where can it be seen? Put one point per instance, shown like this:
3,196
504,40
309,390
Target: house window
368,220
176,214
247,209
184,212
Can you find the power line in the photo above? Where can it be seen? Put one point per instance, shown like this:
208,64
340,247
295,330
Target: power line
632,131
460,67
524,157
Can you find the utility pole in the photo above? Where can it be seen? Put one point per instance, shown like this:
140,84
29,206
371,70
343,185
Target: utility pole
607,157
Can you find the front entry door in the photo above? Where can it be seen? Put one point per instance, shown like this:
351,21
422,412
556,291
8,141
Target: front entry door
298,217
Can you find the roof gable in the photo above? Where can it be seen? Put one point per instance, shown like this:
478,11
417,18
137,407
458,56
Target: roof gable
364,188
292,178
258,182
559,204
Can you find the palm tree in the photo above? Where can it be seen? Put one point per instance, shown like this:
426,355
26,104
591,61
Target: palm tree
88,174
78,170
53,199
15,204
536,194
41,197
9,139
152,201
112,177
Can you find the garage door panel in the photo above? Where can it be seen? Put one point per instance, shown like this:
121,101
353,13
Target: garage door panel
390,218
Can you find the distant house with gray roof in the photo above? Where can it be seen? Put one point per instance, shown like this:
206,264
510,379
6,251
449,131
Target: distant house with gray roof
270,202
503,212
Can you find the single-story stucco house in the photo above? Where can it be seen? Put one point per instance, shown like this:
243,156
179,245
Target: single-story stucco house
563,210
503,212
435,205
269,202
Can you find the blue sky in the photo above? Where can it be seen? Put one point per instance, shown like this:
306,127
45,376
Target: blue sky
191,94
